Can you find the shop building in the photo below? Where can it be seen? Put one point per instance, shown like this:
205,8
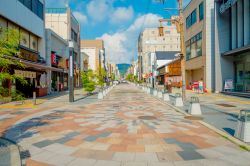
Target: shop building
199,43
232,46
57,58
152,40
170,71
14,14
96,53
63,23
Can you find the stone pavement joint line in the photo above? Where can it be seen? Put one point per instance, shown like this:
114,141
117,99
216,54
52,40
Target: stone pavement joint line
115,132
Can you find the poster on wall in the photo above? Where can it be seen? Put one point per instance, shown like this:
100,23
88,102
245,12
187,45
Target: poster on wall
228,84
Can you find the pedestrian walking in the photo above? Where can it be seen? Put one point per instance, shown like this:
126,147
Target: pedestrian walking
200,86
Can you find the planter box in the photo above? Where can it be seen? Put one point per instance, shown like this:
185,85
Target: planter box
40,92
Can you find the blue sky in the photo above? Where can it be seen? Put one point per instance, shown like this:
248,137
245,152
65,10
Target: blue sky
117,22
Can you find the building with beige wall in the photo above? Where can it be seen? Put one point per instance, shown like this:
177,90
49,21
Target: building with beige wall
63,22
199,54
151,41
96,52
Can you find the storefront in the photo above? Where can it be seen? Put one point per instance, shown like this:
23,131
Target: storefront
59,74
232,47
242,73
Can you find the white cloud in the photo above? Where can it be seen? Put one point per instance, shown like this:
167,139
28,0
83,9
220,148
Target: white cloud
121,46
98,10
80,17
122,14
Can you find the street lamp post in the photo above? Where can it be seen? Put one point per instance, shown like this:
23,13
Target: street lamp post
71,72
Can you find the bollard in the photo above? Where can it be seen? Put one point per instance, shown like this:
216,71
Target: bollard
100,95
155,92
166,96
194,108
159,94
243,127
178,100
34,98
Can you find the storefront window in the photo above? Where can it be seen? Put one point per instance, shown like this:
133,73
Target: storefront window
25,39
33,42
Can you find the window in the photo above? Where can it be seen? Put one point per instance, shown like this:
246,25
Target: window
27,3
191,19
194,46
33,42
201,11
73,35
35,6
25,39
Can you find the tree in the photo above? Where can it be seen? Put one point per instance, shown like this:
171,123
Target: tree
88,80
9,50
112,76
101,75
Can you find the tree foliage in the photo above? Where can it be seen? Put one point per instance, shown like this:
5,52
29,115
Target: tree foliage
101,74
88,80
9,49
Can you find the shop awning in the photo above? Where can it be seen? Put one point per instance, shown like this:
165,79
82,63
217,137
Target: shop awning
40,66
237,51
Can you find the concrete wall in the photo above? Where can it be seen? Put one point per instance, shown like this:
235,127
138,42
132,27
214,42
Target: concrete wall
91,52
224,67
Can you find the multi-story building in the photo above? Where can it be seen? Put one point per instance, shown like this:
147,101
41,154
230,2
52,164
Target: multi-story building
57,53
63,22
96,52
28,18
84,59
232,46
150,41
199,31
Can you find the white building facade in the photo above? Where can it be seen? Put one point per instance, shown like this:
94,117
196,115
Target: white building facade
151,41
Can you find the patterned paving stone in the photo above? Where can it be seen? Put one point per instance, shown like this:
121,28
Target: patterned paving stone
190,155
110,132
82,162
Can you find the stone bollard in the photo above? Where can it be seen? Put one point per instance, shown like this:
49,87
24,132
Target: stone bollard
159,94
100,95
166,96
194,108
178,100
155,92
243,127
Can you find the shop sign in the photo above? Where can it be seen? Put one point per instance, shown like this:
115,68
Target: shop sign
53,58
25,74
227,5
228,84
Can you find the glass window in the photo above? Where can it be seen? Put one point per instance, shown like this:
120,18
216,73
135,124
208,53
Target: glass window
3,23
188,21
33,42
25,39
40,10
27,3
193,17
35,6
201,11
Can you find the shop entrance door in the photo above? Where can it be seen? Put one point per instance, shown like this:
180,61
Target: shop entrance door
242,83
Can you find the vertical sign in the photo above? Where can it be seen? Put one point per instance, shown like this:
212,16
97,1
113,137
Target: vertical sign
71,66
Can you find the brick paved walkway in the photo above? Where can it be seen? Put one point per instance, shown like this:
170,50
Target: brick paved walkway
127,128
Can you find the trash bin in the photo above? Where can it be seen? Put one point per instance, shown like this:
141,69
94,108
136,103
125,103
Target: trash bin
243,127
